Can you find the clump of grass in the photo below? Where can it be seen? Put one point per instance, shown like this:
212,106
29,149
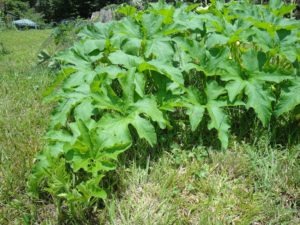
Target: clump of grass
3,49
245,185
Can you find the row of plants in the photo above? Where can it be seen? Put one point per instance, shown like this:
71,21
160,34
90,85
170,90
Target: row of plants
131,79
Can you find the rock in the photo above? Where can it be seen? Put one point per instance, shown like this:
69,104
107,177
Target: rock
106,14
139,4
102,16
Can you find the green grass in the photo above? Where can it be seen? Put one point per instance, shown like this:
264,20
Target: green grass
23,118
23,47
244,185
248,184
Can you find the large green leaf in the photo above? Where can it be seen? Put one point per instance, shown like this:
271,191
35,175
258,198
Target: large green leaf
128,61
113,130
214,107
149,107
151,24
218,117
159,48
289,99
169,71
144,129
260,100
216,39
195,107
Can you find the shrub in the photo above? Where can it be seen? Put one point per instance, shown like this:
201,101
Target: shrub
128,79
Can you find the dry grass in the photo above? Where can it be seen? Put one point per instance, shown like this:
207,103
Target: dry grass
242,186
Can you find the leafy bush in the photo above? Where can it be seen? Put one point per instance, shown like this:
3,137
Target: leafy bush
63,36
34,16
129,79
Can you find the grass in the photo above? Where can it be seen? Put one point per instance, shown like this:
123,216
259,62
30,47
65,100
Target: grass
244,185
23,47
23,118
248,184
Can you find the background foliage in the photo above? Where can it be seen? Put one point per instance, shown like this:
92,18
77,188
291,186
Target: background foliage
56,10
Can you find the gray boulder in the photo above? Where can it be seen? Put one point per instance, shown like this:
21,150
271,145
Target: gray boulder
106,14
